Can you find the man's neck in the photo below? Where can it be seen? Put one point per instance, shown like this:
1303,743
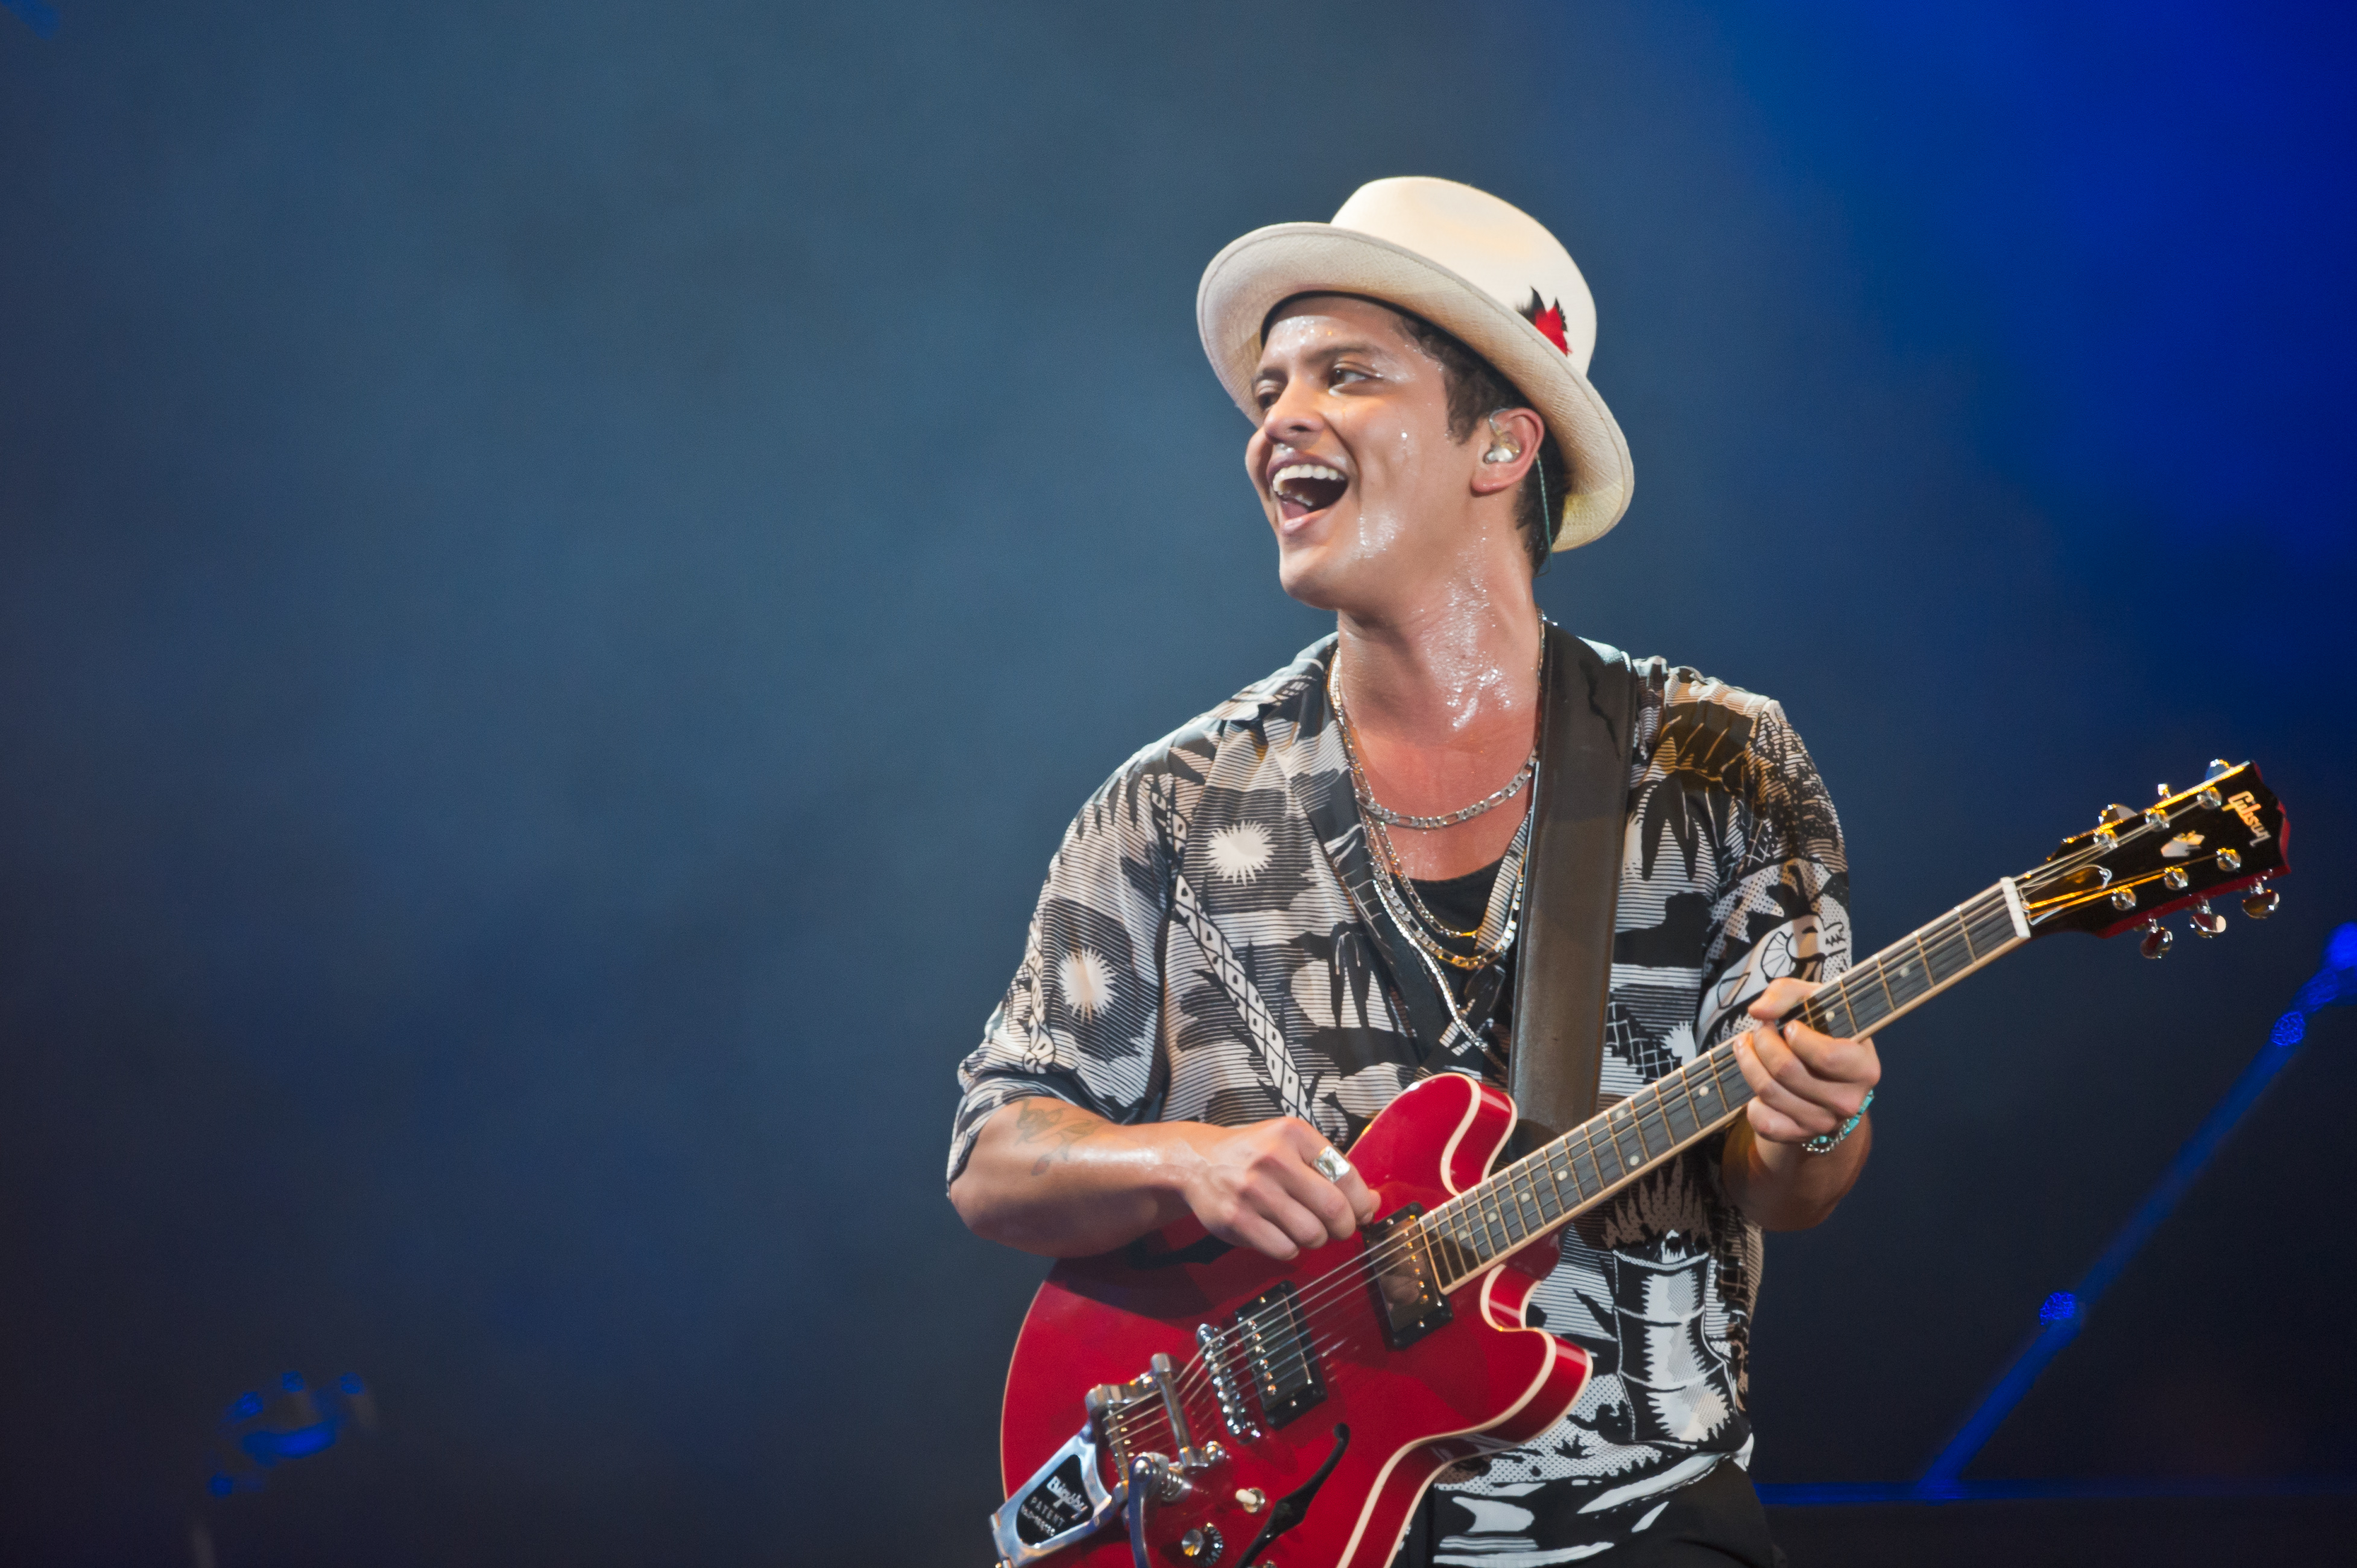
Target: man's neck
1456,670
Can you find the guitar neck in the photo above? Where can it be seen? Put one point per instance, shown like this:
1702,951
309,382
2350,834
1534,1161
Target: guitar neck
1524,1200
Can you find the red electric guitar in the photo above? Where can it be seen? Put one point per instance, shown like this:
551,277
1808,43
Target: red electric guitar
1182,1402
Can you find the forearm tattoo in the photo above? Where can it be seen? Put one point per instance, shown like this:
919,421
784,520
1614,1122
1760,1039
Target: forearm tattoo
1052,1124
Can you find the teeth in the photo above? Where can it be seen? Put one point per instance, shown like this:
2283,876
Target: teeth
1293,471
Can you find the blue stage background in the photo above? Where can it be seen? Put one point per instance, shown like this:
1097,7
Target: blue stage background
563,568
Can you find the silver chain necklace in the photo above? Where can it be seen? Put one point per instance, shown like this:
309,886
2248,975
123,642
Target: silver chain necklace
1395,887
1384,814
1389,818
1513,787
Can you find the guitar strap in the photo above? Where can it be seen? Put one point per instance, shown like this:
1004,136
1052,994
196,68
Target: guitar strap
1563,973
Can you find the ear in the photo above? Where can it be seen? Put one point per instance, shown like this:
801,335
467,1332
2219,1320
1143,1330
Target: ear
1516,427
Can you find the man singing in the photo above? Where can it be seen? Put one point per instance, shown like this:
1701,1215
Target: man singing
1268,923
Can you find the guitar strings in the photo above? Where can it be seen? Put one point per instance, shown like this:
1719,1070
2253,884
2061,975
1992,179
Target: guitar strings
1317,1301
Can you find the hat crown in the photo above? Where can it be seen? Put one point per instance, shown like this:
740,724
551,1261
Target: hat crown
1492,245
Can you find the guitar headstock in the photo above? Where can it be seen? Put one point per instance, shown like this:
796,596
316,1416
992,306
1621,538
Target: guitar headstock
2224,835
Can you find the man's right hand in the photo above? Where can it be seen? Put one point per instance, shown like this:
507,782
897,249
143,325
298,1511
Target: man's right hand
1257,1187
1049,1177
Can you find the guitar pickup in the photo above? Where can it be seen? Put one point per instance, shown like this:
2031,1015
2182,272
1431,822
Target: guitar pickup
1280,1354
1407,1297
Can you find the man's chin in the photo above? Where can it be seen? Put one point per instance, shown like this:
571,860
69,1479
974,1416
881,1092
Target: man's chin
1318,574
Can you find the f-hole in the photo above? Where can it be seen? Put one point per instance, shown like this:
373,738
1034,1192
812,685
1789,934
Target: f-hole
1294,1507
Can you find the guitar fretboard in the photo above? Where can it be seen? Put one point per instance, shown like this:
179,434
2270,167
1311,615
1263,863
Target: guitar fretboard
1533,1196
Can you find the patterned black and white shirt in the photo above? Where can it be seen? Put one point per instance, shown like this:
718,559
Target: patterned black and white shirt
1206,948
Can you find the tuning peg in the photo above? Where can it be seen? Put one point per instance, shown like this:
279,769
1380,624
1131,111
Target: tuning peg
2158,939
2163,788
2260,903
2219,769
2206,921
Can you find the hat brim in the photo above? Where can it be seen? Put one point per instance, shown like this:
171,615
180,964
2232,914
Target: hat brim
1248,279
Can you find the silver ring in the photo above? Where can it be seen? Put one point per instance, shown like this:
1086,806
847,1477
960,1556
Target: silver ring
1331,1164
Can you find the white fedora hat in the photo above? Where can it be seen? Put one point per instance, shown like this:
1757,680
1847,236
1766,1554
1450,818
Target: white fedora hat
1480,269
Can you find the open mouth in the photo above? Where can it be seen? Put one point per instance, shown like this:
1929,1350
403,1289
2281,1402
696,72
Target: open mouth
1303,488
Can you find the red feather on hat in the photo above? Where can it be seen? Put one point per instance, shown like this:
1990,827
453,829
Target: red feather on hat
1548,319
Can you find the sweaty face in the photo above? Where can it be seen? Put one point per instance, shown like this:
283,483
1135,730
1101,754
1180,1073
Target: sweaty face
1353,460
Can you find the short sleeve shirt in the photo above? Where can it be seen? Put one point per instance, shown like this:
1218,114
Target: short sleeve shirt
1208,948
